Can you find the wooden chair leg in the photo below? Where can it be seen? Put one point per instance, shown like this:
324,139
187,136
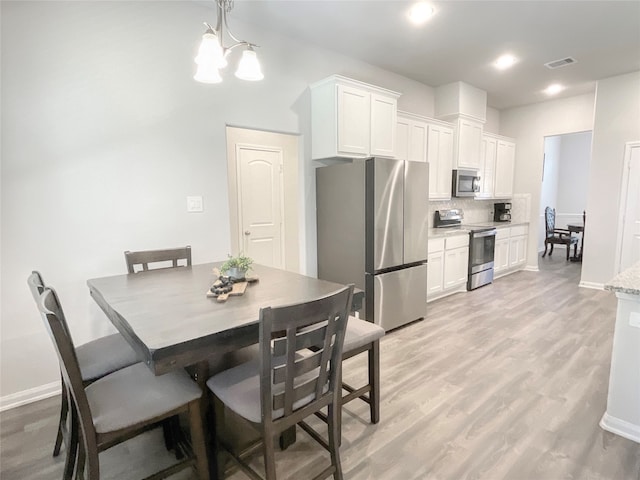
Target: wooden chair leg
374,381
568,251
269,457
551,250
62,423
72,448
333,419
197,440
545,249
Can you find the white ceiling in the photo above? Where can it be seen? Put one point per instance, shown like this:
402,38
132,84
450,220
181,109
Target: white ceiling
463,38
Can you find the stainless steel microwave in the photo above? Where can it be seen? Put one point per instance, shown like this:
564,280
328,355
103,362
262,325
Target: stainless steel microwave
466,183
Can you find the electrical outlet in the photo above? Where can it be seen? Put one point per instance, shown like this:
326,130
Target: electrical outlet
194,204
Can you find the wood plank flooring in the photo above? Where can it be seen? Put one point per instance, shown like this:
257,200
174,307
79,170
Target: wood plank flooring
506,382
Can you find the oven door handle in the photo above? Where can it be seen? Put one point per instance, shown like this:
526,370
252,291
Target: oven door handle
487,233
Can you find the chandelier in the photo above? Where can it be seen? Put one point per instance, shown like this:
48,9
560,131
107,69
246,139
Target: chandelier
212,54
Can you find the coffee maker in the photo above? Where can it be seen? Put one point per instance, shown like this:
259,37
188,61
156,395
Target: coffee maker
501,212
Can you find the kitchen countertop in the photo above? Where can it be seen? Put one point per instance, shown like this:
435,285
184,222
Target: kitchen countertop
450,231
627,281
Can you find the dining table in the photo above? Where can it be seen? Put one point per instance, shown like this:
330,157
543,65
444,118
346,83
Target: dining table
577,228
171,322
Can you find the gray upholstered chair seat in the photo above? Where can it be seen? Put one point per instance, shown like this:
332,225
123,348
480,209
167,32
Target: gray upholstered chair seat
239,389
359,333
104,355
134,394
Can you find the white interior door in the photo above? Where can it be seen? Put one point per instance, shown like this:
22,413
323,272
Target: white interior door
630,208
260,203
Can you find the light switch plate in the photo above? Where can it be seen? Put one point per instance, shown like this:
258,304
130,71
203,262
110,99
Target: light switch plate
194,204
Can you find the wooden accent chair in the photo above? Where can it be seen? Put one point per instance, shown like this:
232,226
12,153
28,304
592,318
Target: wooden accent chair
145,257
557,236
120,405
290,382
96,359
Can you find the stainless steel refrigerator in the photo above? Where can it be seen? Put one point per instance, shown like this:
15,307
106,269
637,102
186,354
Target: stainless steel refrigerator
372,223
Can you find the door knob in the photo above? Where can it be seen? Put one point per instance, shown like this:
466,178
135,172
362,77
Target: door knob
247,232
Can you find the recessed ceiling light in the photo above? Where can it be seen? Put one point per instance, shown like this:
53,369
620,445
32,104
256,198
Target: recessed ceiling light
505,61
553,89
420,13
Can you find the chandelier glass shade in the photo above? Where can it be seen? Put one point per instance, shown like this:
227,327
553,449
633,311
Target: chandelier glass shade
212,54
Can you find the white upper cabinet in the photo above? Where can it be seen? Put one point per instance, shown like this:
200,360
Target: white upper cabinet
440,157
505,164
411,138
496,167
422,139
468,144
352,119
384,114
354,113
487,166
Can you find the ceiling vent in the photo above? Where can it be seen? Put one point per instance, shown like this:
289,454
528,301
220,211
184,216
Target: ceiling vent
563,62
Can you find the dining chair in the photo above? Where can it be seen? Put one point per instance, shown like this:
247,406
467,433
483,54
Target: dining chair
362,336
289,382
96,359
557,236
146,257
120,405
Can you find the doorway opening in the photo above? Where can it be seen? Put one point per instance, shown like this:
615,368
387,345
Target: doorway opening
565,178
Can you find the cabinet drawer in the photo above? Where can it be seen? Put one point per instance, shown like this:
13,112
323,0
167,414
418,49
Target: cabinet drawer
435,245
519,230
503,233
457,241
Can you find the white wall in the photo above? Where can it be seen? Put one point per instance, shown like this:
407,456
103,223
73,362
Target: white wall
575,157
549,186
617,121
529,125
105,134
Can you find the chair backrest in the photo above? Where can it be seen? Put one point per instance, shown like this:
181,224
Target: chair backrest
550,221
288,380
144,258
51,311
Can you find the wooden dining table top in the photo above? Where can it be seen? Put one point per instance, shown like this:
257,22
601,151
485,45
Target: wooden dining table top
167,317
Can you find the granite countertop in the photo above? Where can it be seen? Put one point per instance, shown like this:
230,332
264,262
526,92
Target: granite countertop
448,232
627,281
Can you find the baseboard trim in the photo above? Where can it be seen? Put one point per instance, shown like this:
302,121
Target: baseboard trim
531,268
592,285
31,395
620,427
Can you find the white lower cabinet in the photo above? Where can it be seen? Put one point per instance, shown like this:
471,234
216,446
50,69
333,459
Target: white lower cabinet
511,249
435,273
448,259
456,263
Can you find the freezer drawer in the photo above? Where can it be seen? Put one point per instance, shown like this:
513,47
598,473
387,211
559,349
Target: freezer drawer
399,297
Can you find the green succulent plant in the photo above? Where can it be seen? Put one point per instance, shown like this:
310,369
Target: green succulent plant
241,262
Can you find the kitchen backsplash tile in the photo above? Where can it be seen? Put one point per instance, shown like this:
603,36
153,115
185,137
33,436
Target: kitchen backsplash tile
478,211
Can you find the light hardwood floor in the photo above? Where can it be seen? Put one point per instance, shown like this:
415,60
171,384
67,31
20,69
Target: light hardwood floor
506,382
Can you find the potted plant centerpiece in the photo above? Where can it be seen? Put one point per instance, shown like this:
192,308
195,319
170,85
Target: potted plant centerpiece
236,268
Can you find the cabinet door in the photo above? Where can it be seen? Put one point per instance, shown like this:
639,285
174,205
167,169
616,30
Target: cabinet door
488,167
418,142
384,116
516,250
354,114
456,263
501,259
435,273
522,257
469,144
440,158
402,138
505,159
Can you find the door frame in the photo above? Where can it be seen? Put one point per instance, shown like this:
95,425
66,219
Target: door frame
622,204
288,143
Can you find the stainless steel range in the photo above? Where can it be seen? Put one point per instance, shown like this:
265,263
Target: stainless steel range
482,243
